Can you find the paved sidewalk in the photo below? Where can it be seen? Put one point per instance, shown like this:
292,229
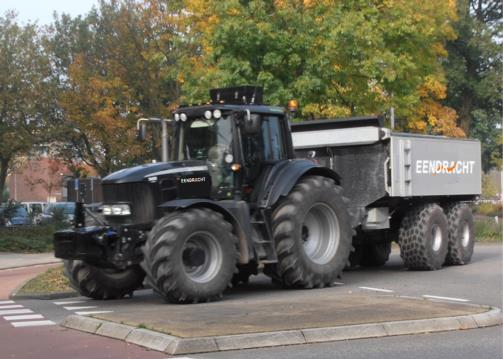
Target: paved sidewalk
15,260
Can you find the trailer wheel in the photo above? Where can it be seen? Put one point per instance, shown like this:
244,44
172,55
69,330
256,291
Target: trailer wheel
103,283
423,238
312,233
461,234
375,254
190,256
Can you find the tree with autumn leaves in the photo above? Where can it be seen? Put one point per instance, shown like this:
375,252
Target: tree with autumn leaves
128,59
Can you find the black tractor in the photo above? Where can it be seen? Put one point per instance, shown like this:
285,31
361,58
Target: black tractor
232,201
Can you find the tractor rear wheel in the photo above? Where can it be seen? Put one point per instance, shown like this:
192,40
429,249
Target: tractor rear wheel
312,233
190,256
103,283
423,237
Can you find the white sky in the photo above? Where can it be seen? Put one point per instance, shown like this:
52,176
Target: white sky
41,10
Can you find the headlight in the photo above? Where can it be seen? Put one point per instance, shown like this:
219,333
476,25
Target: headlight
116,210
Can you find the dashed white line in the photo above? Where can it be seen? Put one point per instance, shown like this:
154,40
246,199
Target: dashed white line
337,283
70,302
89,312
6,302
34,323
11,306
79,308
377,289
15,311
445,298
24,317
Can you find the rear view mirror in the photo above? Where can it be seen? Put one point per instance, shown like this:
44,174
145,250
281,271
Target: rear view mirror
142,131
252,123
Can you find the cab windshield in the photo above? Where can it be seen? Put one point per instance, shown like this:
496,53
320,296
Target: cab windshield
211,141
202,139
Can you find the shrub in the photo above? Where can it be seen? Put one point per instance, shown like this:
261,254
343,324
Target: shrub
488,229
27,239
489,209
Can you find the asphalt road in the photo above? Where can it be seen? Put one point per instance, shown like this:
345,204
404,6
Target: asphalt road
480,282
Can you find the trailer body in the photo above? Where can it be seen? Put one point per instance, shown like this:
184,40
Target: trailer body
382,170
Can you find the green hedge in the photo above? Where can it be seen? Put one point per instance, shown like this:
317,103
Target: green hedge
486,229
27,239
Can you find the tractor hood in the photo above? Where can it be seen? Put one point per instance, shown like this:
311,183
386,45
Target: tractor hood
143,172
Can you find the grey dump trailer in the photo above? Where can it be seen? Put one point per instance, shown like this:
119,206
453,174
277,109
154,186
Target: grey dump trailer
394,182
243,191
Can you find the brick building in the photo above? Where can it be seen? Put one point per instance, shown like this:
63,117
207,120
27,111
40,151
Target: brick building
38,179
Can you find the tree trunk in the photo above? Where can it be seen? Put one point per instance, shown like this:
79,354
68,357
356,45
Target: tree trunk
4,166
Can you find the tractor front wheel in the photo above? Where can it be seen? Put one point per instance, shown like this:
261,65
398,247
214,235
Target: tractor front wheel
190,256
103,283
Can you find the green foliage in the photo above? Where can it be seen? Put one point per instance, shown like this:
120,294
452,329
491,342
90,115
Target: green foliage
489,209
486,229
337,57
5,195
25,96
490,186
474,70
115,65
26,239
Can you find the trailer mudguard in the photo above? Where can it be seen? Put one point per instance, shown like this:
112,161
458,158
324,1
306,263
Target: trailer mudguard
283,176
235,212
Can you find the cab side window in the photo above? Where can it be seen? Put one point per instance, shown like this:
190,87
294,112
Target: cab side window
272,137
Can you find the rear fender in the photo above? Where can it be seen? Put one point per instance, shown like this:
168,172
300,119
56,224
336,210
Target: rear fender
283,177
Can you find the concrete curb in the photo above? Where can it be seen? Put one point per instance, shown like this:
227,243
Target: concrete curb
44,296
175,345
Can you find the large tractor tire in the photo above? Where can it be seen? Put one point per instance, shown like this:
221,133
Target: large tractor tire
190,256
423,238
103,283
312,233
461,234
375,254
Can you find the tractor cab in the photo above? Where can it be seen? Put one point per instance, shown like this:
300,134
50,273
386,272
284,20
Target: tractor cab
236,137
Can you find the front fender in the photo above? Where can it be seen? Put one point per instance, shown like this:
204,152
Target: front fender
283,177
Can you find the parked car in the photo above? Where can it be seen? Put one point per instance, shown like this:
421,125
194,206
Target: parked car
35,210
18,217
65,209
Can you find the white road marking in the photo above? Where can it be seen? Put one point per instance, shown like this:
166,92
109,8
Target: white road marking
70,302
445,298
79,308
24,317
337,283
11,306
6,302
377,289
89,312
34,323
15,311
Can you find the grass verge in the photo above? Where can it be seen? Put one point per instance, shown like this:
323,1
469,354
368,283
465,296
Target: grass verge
488,230
27,239
51,281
